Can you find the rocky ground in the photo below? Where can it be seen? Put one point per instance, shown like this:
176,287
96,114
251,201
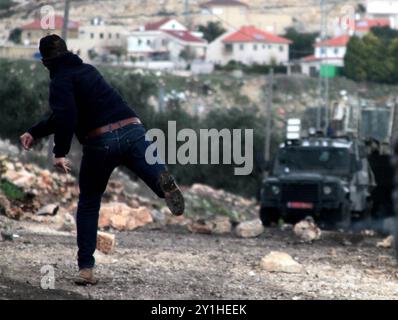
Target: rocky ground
173,263
219,250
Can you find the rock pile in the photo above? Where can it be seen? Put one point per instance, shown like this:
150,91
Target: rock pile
30,192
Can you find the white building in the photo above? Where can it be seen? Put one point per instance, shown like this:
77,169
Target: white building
249,45
383,9
99,39
166,40
330,51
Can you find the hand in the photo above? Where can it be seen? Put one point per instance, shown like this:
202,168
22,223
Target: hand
26,140
62,164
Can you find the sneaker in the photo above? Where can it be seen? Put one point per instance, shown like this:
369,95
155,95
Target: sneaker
86,277
172,194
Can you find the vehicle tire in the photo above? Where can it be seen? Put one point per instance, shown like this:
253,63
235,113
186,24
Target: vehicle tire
269,216
343,217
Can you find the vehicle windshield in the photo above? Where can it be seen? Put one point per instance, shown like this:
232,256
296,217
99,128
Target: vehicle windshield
320,159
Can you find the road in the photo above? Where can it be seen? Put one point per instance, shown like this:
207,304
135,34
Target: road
172,263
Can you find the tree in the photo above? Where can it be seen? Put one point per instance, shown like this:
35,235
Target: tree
302,43
212,30
355,60
15,35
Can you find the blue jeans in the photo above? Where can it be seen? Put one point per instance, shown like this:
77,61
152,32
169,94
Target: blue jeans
101,155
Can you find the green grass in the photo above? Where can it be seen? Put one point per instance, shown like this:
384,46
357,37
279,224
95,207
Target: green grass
11,191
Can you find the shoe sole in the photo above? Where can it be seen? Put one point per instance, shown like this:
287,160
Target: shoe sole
173,195
85,282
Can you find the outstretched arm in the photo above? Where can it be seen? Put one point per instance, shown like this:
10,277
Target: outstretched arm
43,128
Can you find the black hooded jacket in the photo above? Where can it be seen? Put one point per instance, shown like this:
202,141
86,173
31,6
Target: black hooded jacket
80,100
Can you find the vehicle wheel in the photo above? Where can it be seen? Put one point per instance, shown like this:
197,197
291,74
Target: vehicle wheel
343,217
269,216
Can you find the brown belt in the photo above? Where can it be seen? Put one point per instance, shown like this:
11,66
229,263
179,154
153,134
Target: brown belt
113,126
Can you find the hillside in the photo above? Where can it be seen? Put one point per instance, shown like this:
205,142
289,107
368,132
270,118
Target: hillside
306,13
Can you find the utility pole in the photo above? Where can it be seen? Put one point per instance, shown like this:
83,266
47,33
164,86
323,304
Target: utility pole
66,20
186,13
268,124
323,79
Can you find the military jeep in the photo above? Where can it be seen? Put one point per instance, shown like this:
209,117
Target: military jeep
327,178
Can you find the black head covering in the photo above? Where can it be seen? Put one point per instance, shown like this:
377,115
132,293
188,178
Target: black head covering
52,46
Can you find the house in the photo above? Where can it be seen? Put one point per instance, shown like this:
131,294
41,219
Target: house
32,32
363,26
165,40
329,52
233,14
99,39
249,45
383,9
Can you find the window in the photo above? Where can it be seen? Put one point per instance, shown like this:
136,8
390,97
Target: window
255,47
336,51
323,50
264,46
139,42
281,48
28,34
228,48
101,35
270,46
117,36
242,47
148,42
92,35
110,36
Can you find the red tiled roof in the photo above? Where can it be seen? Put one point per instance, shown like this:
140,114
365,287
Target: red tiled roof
156,25
334,42
58,24
312,58
367,24
223,3
309,58
252,34
184,36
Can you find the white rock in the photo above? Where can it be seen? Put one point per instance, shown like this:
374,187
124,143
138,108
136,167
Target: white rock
280,262
250,229
307,231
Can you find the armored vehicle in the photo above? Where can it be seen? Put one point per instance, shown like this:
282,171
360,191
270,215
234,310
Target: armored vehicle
327,178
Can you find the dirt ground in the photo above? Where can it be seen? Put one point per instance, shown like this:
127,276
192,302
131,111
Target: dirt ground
172,263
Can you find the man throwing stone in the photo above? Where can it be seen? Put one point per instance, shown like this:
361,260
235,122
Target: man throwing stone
112,135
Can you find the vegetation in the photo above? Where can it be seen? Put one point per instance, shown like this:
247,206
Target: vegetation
255,68
212,30
15,35
303,43
373,57
6,4
11,191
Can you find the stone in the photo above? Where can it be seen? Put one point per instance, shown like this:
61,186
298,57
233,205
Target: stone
220,225
280,262
105,242
48,210
200,227
8,210
68,222
121,217
307,231
250,229
159,217
386,243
